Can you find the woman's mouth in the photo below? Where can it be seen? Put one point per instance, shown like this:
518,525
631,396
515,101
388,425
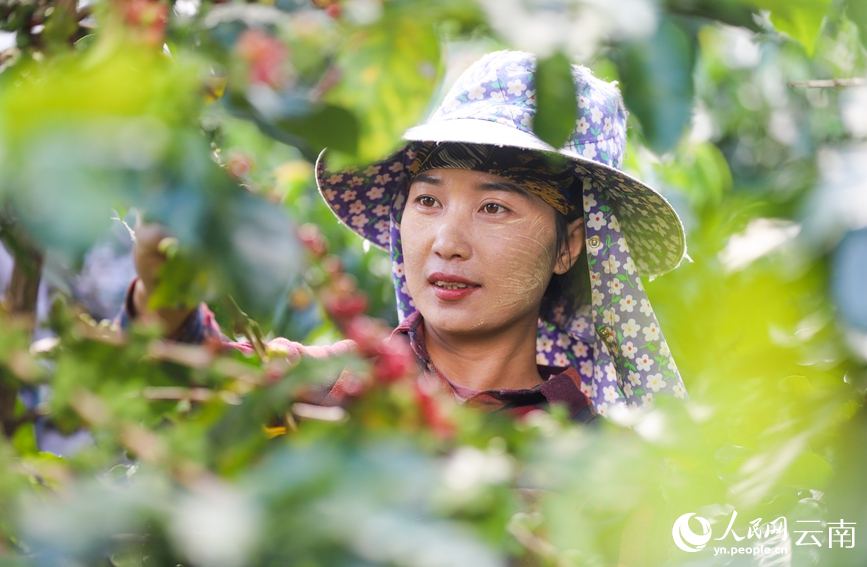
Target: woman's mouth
452,288
450,285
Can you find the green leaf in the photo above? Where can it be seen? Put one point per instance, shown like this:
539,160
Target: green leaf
24,440
731,12
60,26
700,172
388,72
799,19
856,10
331,127
182,283
808,471
262,255
657,84
85,42
798,385
555,100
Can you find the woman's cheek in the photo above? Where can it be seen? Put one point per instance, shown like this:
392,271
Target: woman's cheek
412,237
525,262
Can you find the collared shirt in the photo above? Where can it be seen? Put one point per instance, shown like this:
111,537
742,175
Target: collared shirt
561,386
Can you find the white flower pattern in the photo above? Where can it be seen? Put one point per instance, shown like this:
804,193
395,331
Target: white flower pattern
630,328
644,362
375,193
655,382
595,221
476,92
595,115
651,333
516,87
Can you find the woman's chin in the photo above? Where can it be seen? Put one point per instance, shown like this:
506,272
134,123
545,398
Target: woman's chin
454,324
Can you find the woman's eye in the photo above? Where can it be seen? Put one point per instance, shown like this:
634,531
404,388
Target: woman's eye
426,201
494,208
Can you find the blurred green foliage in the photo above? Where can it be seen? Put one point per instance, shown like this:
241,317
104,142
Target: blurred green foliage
555,93
207,117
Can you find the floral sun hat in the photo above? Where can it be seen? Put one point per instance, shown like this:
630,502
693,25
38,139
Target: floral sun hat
614,341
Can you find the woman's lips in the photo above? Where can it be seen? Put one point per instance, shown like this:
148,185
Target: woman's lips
450,287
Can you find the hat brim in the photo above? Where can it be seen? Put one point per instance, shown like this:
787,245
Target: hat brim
363,200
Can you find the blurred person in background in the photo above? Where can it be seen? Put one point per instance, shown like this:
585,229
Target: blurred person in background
99,287
517,266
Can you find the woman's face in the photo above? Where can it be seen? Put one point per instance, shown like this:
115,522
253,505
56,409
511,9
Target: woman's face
479,251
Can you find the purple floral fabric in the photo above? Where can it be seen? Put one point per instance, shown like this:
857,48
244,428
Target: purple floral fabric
614,342
500,88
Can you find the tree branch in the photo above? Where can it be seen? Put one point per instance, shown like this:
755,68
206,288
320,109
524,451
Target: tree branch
20,301
828,83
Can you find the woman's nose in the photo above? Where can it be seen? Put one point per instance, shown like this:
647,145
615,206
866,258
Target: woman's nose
452,238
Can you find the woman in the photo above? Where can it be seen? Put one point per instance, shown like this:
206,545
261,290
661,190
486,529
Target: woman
487,228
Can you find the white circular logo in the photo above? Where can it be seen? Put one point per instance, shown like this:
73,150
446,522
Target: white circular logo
684,537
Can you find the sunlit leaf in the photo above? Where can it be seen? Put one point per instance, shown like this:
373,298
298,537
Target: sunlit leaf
809,470
800,19
387,75
24,440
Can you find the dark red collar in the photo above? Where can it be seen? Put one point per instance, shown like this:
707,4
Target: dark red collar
561,385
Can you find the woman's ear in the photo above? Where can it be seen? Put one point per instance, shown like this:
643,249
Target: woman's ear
576,243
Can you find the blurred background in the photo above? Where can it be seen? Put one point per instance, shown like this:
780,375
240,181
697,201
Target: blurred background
749,116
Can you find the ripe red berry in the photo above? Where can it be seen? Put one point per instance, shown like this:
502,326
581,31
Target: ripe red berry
431,414
332,265
265,56
367,334
311,238
344,307
149,18
395,359
239,165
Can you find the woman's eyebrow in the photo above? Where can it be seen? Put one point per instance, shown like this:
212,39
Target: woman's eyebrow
504,186
485,185
425,178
